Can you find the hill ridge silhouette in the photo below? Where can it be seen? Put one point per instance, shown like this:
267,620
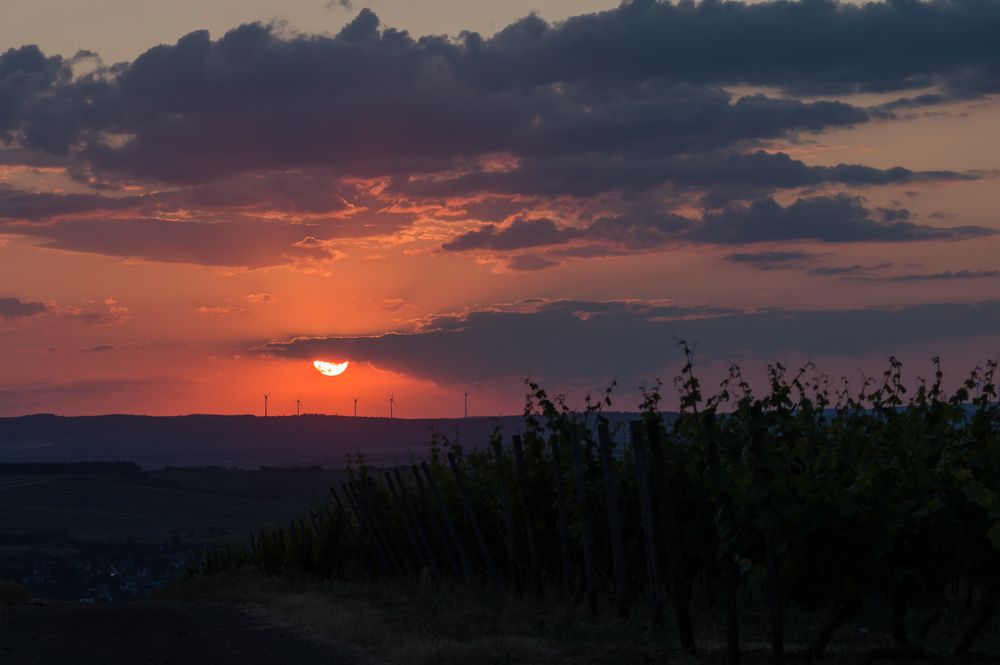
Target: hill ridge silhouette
245,441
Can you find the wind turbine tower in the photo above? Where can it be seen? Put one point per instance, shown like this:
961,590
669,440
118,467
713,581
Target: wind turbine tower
266,395
467,404
392,403
298,406
356,405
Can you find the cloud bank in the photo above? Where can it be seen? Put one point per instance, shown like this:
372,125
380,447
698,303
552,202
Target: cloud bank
617,119
633,340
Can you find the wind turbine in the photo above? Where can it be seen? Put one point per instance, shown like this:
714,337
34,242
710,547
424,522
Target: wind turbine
266,395
392,403
467,403
356,405
298,405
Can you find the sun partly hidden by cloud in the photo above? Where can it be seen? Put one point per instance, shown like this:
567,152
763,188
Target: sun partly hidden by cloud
330,369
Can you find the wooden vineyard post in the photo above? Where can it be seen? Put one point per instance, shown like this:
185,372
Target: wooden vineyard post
759,444
336,500
648,525
436,526
586,533
521,476
732,582
678,579
305,541
730,572
314,519
328,539
399,564
422,544
449,524
508,514
404,519
293,536
365,528
850,606
614,518
982,620
774,601
342,522
563,520
470,514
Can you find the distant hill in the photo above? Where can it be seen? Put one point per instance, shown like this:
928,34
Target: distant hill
240,441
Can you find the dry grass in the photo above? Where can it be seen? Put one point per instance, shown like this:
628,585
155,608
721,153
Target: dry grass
416,625
412,624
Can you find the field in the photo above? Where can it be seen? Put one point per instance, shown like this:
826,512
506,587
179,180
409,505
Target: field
99,532
199,504
95,509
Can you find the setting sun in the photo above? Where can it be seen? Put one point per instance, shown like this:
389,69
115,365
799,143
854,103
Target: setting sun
330,369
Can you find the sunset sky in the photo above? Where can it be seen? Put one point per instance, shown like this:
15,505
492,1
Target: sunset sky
198,199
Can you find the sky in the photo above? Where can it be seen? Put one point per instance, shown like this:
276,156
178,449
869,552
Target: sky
198,199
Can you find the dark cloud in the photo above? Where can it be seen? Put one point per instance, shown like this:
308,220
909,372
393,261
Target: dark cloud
19,156
820,47
833,219
779,259
15,308
364,102
839,218
770,260
640,228
530,262
631,340
852,270
946,276
436,119
728,176
35,206
247,244
109,312
917,101
628,102
518,234
635,234
640,80
290,193
24,73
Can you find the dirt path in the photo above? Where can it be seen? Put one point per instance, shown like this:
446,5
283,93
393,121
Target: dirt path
155,632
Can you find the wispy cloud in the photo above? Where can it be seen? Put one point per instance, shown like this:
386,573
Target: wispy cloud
945,276
770,260
851,270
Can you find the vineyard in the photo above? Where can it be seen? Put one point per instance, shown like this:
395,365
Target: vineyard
810,498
